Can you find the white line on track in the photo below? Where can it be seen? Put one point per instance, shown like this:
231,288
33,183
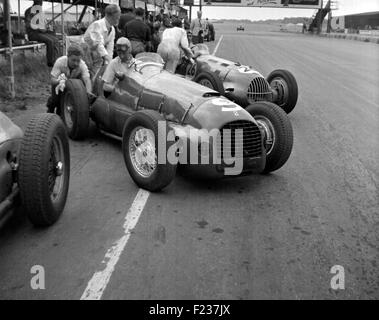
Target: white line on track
218,43
99,281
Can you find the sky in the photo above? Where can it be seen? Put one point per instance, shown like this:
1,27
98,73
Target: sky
212,12
344,7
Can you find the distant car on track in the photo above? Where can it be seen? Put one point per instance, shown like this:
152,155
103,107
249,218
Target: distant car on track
239,83
34,168
149,98
240,28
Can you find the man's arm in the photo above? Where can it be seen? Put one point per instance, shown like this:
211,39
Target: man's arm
56,71
88,84
86,76
27,18
109,77
184,44
192,25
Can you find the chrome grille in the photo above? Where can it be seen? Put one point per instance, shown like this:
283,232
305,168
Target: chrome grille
259,90
251,142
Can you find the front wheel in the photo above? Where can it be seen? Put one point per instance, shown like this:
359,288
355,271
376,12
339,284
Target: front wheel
285,86
278,134
44,169
144,136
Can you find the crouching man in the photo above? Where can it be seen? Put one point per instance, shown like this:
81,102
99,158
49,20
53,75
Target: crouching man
120,66
67,67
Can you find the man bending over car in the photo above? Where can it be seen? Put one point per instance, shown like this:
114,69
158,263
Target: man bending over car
67,67
173,41
120,66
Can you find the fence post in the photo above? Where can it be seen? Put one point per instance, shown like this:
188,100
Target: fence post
10,50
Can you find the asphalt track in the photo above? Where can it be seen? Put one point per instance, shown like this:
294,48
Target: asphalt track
260,237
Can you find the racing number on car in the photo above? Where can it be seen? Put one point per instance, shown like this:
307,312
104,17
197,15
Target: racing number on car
227,106
245,69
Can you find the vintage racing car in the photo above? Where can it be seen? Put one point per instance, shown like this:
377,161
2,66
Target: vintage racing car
157,112
34,168
239,83
240,27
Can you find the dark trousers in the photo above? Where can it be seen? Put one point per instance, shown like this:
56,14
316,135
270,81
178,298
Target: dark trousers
197,39
54,100
137,47
52,45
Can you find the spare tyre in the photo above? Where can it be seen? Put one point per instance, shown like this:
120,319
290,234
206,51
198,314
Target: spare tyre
75,109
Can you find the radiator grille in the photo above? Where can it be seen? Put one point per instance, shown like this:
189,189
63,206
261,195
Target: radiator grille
250,141
259,90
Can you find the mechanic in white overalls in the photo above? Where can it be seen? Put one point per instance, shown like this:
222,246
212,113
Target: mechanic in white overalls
173,41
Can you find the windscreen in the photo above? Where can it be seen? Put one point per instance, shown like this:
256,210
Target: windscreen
149,57
202,48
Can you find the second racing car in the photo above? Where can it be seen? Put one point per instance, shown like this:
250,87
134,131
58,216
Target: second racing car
239,83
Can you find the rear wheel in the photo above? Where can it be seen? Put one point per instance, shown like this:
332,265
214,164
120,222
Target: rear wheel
210,80
75,109
284,83
278,133
140,146
44,169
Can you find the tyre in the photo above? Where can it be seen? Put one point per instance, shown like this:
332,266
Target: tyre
191,70
140,139
285,84
44,169
210,80
278,133
75,109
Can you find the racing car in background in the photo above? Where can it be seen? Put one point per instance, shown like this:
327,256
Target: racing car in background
240,27
150,105
34,168
239,83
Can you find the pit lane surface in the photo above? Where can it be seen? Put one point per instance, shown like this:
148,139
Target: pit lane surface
275,236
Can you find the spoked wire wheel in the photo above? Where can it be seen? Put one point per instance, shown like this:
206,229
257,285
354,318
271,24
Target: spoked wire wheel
142,151
145,148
